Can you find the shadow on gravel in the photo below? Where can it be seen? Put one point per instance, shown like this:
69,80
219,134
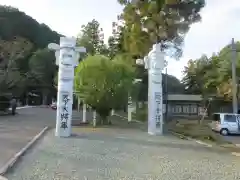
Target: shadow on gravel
7,114
145,142
119,124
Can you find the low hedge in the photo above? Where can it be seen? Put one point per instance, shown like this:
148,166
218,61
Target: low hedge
194,130
140,115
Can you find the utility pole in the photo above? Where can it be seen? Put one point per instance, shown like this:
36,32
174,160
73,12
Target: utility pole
234,78
166,95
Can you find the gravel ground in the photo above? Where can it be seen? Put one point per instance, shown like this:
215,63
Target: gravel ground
16,131
122,154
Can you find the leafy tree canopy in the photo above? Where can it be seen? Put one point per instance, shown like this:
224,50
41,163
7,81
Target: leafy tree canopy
16,23
147,22
20,37
103,84
212,76
92,38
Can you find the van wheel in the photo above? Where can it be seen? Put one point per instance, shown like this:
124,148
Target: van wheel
224,132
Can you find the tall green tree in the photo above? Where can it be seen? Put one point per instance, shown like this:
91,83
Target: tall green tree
212,75
17,43
158,21
224,79
194,75
43,69
92,38
113,47
103,84
11,76
116,41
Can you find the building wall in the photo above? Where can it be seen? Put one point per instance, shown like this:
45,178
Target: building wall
196,108
183,108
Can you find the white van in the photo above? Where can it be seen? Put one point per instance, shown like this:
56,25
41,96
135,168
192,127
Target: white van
226,123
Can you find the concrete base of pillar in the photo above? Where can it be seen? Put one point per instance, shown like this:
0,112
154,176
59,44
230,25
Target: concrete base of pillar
79,123
151,133
63,135
155,134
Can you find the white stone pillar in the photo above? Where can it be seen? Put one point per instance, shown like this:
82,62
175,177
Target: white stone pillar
156,64
67,55
130,109
94,118
79,102
112,112
84,113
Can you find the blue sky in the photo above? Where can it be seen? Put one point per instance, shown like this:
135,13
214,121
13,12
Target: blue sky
220,22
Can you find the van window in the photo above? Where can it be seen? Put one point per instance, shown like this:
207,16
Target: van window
230,118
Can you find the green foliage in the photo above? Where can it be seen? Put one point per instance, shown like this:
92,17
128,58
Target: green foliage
31,67
144,23
116,41
158,21
212,76
42,68
92,38
16,23
20,36
192,129
125,58
170,84
141,114
112,46
12,52
103,84
192,80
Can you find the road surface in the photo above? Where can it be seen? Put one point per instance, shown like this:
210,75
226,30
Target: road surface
122,153
17,131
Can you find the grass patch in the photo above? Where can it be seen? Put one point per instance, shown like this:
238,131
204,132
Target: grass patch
192,129
141,114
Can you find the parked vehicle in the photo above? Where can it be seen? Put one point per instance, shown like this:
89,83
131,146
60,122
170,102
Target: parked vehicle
226,123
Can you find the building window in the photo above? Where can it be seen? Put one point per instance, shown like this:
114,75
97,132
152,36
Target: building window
193,109
185,109
178,109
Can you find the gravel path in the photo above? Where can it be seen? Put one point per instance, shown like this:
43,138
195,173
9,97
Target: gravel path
16,131
123,154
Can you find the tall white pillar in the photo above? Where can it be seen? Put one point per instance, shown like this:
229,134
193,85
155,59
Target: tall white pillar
130,109
112,112
67,55
94,118
155,64
79,102
84,113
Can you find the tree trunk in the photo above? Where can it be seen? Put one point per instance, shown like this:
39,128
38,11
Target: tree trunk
109,121
44,102
104,120
26,99
137,107
44,97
